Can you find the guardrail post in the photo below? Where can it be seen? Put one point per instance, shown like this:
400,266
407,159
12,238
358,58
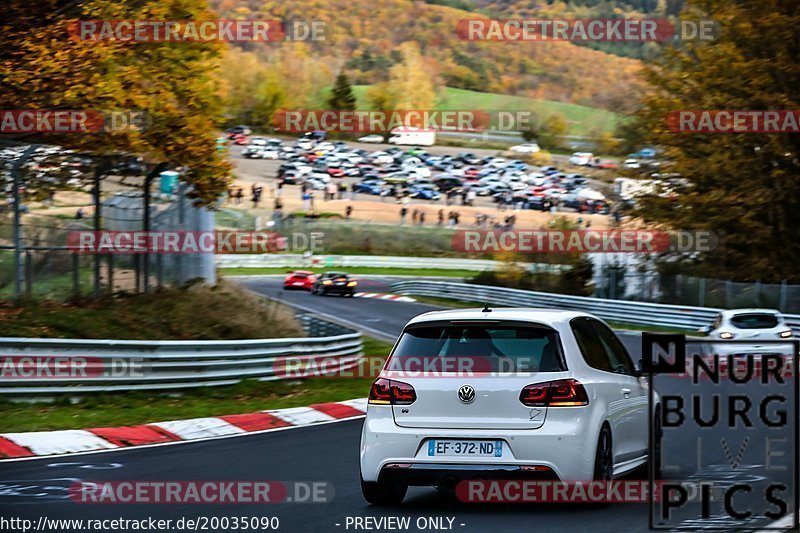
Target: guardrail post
110,273
76,275
137,273
28,274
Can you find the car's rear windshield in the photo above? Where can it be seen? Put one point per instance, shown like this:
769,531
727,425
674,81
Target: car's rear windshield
754,321
497,347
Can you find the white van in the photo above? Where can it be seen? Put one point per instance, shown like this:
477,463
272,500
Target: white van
413,137
581,159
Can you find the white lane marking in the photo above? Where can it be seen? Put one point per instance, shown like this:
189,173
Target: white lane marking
198,428
64,441
358,403
301,415
177,442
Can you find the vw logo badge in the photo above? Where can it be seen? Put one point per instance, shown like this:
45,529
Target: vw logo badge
466,394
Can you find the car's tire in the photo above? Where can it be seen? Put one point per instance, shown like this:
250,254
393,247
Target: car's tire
383,493
604,456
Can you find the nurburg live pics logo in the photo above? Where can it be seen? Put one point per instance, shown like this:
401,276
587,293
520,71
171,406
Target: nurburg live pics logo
735,411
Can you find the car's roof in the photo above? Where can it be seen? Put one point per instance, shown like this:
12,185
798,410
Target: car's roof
526,314
734,312
302,272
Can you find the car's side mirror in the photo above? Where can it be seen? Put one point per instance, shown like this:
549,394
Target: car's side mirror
638,372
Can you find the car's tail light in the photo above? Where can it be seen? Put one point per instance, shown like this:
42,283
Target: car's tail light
562,393
390,392
786,334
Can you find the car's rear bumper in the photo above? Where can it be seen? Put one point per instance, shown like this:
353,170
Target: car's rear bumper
449,474
565,446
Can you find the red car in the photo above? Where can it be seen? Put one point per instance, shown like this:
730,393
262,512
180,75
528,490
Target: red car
299,279
241,139
335,172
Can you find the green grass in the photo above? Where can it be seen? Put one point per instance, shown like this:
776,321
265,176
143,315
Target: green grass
582,119
228,312
234,218
118,409
382,271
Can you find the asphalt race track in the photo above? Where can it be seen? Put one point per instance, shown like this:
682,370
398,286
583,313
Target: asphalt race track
329,453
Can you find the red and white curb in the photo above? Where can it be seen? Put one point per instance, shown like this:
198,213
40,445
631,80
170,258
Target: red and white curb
37,443
384,296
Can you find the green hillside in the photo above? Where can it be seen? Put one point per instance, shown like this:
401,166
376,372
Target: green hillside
582,119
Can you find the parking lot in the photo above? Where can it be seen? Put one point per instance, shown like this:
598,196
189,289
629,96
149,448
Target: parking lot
501,186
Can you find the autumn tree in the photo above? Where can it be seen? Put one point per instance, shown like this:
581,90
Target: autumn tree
172,84
411,83
744,187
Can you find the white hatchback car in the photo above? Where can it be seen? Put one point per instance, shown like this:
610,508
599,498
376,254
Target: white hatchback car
745,325
504,394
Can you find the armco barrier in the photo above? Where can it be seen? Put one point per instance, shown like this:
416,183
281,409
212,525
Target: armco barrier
165,365
622,311
343,261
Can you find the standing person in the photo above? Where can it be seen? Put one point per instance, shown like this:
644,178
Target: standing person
471,197
348,211
414,216
311,198
239,195
280,188
403,213
342,189
306,201
331,195
353,191
422,218
440,218
456,216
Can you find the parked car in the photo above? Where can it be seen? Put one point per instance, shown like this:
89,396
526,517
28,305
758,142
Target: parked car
581,159
527,148
372,138
423,192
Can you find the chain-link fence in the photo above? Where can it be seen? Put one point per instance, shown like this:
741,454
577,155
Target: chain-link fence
629,282
53,195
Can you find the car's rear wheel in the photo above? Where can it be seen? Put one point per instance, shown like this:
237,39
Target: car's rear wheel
383,493
604,458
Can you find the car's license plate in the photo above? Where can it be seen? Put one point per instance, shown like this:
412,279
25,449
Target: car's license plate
476,448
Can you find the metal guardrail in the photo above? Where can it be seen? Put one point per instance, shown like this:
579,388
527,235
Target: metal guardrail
622,311
343,261
127,365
